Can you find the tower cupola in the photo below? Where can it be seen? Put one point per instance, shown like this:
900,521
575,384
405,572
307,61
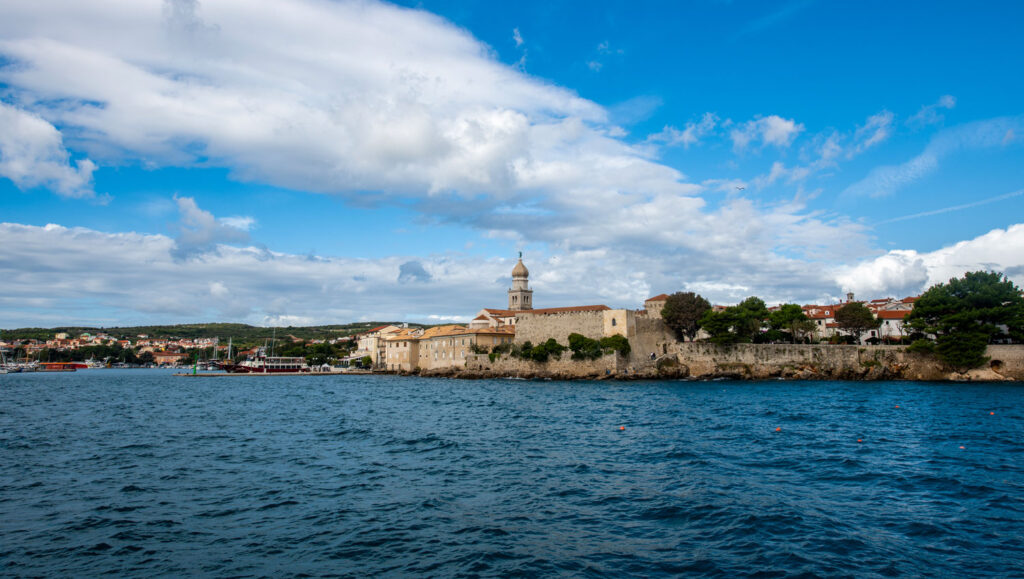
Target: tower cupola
520,296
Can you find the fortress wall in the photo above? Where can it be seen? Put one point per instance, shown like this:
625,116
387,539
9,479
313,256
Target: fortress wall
479,365
652,335
755,361
537,328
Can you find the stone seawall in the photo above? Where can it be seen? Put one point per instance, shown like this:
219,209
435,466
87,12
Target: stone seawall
702,360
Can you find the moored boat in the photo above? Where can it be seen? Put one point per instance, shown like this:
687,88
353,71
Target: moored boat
260,363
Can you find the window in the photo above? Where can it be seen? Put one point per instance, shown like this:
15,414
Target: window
614,322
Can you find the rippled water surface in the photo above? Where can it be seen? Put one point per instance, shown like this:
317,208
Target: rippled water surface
140,473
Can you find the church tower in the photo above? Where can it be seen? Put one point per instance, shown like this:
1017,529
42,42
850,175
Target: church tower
520,297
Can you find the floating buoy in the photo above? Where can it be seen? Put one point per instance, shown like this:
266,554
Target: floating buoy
961,448
778,429
897,406
991,413
859,440
622,428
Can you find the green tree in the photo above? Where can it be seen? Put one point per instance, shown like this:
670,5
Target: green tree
791,318
719,326
682,313
967,314
750,316
855,318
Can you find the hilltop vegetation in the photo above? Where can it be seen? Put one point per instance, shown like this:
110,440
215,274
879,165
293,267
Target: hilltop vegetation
241,333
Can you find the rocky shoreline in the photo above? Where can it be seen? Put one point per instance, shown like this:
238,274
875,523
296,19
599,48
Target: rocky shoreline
750,362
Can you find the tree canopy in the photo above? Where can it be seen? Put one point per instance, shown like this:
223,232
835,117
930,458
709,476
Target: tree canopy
791,318
682,313
739,323
855,318
967,314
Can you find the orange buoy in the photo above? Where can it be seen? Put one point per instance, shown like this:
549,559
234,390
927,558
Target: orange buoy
622,428
859,440
897,406
961,448
991,413
778,429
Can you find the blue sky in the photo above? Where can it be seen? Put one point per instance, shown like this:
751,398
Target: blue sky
319,161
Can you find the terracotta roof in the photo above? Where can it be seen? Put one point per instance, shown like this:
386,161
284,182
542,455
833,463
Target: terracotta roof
404,334
892,314
910,300
569,309
500,313
509,330
657,298
377,329
449,330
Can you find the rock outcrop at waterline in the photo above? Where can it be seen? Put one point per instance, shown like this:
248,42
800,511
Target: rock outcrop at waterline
703,361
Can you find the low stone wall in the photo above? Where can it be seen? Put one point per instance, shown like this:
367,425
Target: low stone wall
562,368
702,360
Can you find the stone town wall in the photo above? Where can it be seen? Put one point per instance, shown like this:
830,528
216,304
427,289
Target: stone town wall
652,336
702,360
562,368
537,328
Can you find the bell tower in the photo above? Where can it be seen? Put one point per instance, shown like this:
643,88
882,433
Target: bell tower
520,297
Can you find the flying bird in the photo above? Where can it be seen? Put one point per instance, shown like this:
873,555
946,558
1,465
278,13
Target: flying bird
741,188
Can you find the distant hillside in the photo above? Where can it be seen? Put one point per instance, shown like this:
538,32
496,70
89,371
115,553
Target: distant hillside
239,332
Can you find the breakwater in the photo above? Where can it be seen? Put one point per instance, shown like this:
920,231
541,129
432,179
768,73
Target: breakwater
701,360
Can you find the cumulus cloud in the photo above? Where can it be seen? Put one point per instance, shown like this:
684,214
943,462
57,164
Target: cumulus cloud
32,154
931,114
888,179
200,232
412,271
690,135
908,272
772,130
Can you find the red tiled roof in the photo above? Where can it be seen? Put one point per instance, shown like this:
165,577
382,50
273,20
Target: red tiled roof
569,309
657,298
377,329
892,314
500,313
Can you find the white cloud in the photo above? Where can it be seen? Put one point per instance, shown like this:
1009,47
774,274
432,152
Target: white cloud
240,222
690,135
517,37
199,231
771,130
876,130
908,272
930,115
888,179
32,154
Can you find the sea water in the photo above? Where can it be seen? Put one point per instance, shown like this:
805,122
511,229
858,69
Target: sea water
140,473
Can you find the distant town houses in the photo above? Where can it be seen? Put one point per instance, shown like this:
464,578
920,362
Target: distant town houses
405,349
401,348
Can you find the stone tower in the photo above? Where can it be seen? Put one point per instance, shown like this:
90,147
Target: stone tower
520,297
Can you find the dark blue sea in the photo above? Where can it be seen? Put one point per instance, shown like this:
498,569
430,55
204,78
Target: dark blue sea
139,473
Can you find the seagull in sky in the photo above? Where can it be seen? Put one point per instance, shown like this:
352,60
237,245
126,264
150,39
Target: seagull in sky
740,188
